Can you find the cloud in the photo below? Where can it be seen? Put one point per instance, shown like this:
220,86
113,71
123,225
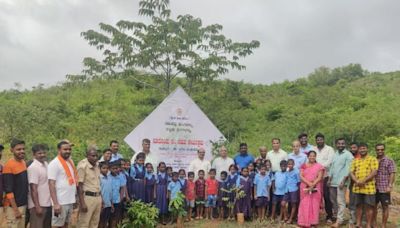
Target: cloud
40,39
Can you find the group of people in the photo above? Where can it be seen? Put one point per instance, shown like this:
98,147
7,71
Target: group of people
288,187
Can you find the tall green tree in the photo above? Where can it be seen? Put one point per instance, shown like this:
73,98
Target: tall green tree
167,47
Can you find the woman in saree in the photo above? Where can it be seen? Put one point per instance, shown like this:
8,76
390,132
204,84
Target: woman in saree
311,174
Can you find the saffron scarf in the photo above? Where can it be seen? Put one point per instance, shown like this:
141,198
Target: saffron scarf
71,179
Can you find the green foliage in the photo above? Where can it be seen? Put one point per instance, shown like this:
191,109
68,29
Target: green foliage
237,192
166,47
140,215
392,147
98,110
177,206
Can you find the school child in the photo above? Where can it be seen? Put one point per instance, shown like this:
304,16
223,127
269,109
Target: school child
190,195
182,179
262,185
222,194
106,195
161,191
268,166
149,183
125,164
279,185
174,187
169,173
122,175
117,193
231,183
211,193
138,173
200,188
252,170
292,195
244,182
252,175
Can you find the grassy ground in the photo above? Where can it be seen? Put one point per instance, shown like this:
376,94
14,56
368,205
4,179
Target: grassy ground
394,222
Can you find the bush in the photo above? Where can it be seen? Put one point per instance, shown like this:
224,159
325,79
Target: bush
140,215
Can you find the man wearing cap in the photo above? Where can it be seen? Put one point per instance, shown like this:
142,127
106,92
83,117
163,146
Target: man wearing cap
89,190
62,177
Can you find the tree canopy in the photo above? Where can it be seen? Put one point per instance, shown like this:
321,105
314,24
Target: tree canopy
166,47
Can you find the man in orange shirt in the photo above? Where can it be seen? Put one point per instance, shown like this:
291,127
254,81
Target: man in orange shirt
16,185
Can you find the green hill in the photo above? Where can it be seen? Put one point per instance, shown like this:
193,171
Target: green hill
346,101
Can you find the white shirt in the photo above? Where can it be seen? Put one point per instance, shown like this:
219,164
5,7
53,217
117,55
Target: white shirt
276,158
150,158
37,174
65,192
222,164
197,165
325,157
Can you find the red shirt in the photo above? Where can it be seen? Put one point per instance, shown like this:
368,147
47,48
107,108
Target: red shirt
212,186
200,188
189,193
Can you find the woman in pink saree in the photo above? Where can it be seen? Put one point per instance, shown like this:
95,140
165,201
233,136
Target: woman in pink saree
311,174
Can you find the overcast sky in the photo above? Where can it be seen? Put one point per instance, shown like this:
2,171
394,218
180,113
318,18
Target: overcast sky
40,40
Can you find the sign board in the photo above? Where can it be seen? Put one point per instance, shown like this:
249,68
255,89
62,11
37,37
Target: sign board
176,129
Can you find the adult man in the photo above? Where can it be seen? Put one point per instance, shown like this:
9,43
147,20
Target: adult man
62,176
16,185
200,163
89,191
114,146
243,159
39,202
363,172
305,147
276,155
1,186
384,183
222,162
354,150
298,157
325,156
263,155
150,157
352,203
338,176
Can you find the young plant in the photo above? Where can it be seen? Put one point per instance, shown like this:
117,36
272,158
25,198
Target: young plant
237,192
177,206
140,215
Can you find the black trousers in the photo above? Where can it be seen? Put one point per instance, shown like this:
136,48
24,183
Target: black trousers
328,203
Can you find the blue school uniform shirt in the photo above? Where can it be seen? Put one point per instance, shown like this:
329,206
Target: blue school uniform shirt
243,160
162,176
299,159
182,182
149,176
262,183
116,182
106,189
122,176
174,188
293,178
280,179
133,170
